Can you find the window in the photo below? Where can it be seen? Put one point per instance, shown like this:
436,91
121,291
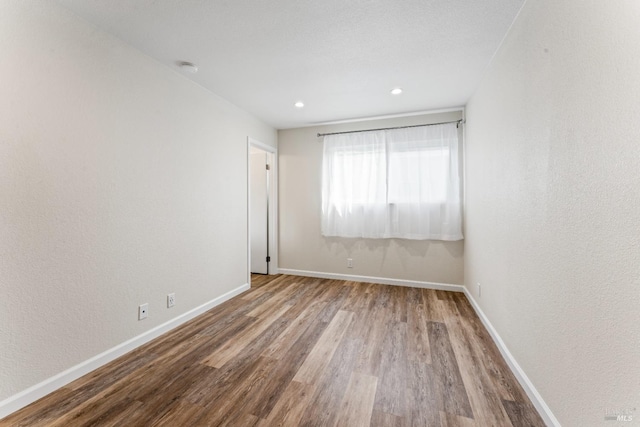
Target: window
422,170
401,183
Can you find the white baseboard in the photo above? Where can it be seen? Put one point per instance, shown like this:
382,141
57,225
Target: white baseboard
369,279
525,382
49,385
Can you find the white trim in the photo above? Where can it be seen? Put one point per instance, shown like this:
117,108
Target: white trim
518,372
33,393
525,382
380,280
260,145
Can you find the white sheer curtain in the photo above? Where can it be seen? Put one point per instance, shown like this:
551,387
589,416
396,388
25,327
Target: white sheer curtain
401,183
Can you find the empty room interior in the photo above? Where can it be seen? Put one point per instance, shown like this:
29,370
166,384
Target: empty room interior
333,213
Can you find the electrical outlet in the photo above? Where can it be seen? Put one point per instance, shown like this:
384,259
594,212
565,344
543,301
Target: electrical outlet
171,300
349,262
143,310
479,290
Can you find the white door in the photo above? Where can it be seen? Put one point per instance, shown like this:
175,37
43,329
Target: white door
259,204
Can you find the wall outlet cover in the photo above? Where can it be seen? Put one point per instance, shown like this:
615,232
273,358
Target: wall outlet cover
143,311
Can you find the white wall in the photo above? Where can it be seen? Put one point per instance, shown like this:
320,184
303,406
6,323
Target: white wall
120,181
553,199
302,247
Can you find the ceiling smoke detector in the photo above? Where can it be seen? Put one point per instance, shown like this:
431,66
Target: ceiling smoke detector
188,66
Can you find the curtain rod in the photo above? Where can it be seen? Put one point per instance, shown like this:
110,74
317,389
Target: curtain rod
457,122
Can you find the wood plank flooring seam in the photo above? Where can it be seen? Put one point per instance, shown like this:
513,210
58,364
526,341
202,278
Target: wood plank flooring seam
295,351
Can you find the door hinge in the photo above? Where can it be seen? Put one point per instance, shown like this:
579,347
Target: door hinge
268,167
268,259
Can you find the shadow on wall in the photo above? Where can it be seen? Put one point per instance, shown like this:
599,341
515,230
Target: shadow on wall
402,248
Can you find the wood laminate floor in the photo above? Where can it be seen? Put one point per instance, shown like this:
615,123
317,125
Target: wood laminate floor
297,351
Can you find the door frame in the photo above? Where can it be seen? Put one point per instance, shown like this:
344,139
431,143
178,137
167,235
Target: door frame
272,207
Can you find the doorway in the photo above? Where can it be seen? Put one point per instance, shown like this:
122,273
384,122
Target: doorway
261,161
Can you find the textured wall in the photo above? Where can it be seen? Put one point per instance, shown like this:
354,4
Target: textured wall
302,247
120,181
553,195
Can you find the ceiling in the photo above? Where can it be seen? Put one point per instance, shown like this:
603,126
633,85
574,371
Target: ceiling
340,57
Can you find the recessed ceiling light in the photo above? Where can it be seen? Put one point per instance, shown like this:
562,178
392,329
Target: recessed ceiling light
396,91
188,66
299,104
